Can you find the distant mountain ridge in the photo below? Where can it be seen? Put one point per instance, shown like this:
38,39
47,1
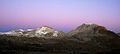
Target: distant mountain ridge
38,32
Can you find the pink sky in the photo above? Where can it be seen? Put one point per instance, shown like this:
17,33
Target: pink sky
63,15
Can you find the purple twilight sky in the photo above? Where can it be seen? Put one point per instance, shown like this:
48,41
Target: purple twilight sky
63,15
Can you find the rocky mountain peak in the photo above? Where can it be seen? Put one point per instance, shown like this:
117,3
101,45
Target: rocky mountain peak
44,30
91,30
86,27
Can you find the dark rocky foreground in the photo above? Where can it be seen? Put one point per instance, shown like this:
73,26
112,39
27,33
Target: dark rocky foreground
86,39
64,45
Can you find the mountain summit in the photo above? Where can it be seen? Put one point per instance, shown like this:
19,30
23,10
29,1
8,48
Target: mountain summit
88,31
45,30
92,28
96,36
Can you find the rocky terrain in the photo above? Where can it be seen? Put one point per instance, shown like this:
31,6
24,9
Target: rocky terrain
85,39
118,34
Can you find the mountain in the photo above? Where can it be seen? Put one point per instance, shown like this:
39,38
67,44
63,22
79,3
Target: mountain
96,37
44,31
85,39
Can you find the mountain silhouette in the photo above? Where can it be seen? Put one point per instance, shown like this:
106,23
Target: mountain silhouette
85,39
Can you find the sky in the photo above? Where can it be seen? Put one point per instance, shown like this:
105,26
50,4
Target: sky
63,15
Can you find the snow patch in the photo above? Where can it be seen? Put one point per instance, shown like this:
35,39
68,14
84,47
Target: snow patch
44,30
29,29
55,33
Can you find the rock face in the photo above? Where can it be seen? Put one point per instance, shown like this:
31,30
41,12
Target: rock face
95,36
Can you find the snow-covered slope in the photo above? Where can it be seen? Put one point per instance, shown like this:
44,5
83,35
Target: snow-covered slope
44,31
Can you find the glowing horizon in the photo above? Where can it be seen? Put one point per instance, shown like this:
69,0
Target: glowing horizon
63,15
